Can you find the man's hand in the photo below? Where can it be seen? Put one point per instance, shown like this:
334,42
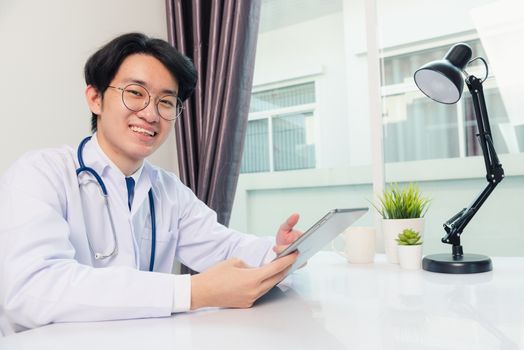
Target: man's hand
286,233
232,283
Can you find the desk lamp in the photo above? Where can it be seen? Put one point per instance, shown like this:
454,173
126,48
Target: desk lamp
443,81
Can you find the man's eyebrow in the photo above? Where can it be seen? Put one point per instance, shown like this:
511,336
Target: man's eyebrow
143,83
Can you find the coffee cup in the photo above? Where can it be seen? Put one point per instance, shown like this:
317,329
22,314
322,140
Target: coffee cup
359,244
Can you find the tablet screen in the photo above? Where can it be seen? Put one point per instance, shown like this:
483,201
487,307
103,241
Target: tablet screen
321,233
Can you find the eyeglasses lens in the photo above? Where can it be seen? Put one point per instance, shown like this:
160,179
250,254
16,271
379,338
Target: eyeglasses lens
136,98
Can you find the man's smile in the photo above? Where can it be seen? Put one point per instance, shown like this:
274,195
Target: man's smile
143,131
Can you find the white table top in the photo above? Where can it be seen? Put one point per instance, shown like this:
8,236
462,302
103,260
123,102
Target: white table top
329,304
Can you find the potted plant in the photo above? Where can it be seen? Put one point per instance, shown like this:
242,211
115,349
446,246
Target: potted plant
400,208
409,249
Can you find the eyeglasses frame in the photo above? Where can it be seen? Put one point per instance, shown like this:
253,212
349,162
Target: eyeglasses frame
179,101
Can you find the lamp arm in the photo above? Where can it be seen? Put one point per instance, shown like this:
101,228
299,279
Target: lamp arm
494,171
457,223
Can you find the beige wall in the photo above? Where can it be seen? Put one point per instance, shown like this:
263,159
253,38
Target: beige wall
44,45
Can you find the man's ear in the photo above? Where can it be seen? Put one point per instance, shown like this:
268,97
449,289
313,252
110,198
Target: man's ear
94,99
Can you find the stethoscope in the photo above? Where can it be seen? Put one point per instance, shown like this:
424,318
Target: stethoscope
114,252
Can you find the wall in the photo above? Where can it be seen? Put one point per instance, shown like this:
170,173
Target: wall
44,47
263,201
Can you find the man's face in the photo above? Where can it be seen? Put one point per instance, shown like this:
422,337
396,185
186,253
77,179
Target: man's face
128,137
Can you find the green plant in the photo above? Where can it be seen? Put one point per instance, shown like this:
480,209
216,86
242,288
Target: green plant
409,237
402,203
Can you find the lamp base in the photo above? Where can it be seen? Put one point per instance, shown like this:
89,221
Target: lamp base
466,263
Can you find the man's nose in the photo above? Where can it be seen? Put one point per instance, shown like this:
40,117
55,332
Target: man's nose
150,113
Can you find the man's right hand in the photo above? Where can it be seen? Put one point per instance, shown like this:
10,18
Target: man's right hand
232,283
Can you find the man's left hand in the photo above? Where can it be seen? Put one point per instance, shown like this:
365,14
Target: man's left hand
287,234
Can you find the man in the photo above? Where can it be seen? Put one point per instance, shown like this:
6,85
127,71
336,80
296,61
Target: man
91,234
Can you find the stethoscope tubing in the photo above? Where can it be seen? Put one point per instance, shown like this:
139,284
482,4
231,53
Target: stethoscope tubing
83,168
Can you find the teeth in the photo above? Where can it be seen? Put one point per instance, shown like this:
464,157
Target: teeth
142,131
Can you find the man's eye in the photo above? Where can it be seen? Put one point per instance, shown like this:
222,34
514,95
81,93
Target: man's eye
167,103
134,93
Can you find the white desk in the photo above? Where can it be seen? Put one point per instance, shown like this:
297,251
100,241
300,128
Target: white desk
332,305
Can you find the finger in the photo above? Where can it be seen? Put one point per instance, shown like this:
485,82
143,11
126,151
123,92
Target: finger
276,266
290,222
292,236
280,248
272,281
286,238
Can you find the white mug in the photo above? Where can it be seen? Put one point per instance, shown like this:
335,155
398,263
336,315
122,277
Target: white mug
359,245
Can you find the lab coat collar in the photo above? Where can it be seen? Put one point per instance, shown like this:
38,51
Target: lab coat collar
101,162
95,158
144,177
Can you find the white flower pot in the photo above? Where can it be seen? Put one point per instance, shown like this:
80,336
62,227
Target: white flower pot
410,256
392,227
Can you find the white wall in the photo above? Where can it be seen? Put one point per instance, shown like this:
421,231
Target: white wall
44,45
264,200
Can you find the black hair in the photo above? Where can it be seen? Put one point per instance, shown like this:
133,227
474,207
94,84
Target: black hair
102,66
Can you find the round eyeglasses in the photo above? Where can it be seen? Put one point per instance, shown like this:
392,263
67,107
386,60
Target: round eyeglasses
136,98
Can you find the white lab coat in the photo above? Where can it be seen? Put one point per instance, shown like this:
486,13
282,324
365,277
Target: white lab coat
47,271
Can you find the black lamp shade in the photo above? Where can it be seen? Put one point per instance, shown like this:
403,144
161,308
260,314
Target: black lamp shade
442,80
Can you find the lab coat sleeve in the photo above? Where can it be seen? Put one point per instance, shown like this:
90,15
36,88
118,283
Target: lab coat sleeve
40,280
203,242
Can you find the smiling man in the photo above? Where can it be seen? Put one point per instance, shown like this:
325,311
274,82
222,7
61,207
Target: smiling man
91,234
141,105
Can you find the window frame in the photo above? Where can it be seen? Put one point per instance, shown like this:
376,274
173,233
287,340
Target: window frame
280,112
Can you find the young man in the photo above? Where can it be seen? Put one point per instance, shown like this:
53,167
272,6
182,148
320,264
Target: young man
91,234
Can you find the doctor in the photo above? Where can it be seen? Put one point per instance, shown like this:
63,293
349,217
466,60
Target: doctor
91,233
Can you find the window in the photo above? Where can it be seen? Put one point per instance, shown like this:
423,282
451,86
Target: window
305,127
308,148
417,128
280,132
256,149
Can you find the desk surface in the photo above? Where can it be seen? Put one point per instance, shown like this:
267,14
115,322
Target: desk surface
329,304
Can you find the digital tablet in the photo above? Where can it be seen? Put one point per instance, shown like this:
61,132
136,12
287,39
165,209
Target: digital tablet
321,233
